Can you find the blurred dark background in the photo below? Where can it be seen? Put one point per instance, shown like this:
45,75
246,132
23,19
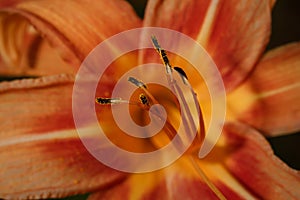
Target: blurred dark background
285,22
285,29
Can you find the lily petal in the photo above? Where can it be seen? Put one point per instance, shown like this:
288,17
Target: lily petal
253,162
272,2
271,95
242,166
178,181
235,33
41,154
71,33
4,3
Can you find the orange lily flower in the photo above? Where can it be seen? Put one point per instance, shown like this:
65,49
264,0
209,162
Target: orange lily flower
41,154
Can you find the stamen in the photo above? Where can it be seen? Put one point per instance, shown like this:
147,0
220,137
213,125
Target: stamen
217,192
111,101
162,54
170,130
155,42
104,101
144,100
182,75
142,86
187,99
136,82
187,117
181,72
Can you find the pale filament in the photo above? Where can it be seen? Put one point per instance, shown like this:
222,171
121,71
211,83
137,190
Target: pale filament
187,113
147,100
170,130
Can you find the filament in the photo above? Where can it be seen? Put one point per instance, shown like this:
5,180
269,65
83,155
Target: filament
187,114
170,130
196,166
146,100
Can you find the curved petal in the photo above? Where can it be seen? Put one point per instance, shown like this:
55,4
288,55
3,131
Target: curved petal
73,28
271,96
272,2
178,181
242,166
235,33
253,162
9,2
41,154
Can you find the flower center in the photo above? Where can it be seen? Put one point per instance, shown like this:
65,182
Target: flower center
179,101
181,105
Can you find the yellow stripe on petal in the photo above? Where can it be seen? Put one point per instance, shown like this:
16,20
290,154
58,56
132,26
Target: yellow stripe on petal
72,28
241,166
234,32
254,164
270,99
41,154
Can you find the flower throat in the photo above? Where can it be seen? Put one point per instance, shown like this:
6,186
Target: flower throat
148,95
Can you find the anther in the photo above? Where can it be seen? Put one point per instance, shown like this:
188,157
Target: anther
104,101
136,82
155,43
144,100
162,53
166,62
181,72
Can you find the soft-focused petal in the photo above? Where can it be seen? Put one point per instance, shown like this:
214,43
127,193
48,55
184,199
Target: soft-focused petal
234,32
270,99
252,161
73,29
272,3
41,154
9,2
178,181
36,105
242,166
